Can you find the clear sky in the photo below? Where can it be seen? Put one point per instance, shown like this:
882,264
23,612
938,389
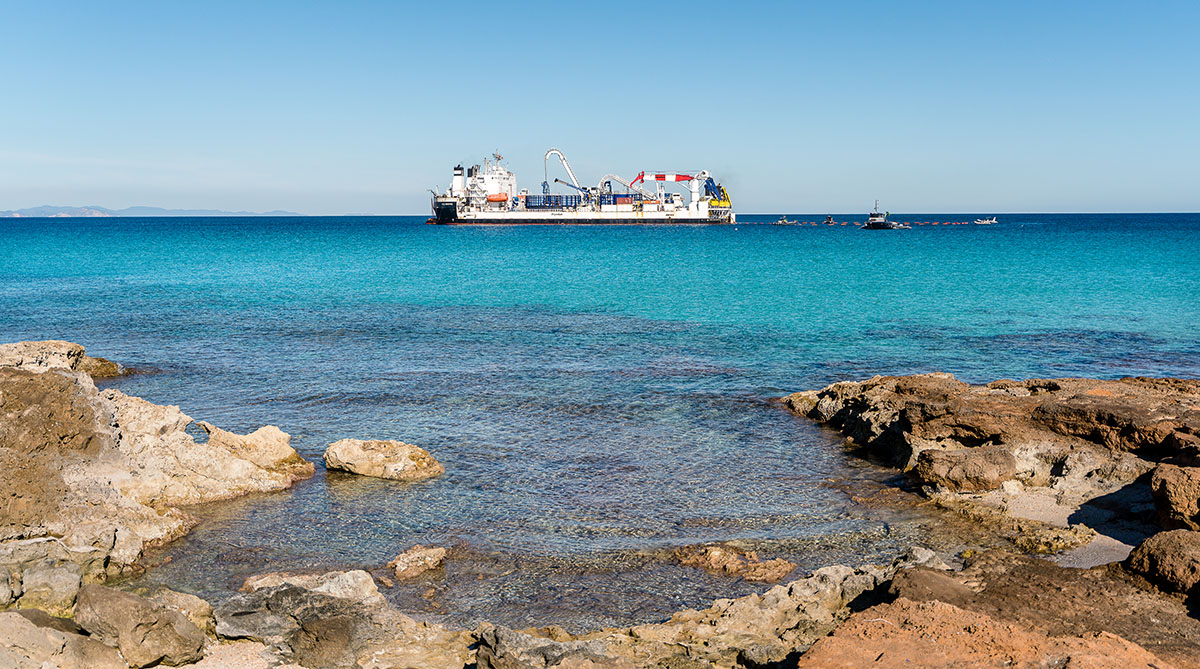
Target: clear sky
345,107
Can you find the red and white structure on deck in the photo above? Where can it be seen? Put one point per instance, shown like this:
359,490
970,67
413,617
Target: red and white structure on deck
488,194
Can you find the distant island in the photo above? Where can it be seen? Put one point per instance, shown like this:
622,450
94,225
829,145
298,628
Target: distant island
48,211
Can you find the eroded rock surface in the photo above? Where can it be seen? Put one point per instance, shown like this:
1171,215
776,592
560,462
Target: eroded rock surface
382,459
319,629
89,478
1170,560
26,645
145,632
1082,441
935,634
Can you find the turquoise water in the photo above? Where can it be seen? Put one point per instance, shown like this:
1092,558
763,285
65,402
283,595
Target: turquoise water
598,395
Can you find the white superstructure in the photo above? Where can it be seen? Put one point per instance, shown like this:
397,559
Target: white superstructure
488,194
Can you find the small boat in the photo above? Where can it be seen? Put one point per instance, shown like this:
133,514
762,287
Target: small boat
783,220
985,221
878,221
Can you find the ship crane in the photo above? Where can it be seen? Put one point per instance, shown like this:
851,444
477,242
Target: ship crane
565,164
581,189
612,177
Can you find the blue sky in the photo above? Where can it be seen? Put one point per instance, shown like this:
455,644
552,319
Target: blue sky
801,107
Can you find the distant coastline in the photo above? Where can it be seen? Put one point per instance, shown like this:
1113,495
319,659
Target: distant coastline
50,211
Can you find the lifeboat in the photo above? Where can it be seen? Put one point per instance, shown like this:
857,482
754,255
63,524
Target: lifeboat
497,197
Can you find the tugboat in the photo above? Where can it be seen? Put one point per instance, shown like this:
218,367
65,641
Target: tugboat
878,221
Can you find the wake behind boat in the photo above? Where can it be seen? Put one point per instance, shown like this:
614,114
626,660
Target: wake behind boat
489,195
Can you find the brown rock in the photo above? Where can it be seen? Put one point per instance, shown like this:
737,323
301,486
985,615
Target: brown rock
1176,493
936,634
1169,559
968,469
732,561
416,561
1041,597
145,632
383,459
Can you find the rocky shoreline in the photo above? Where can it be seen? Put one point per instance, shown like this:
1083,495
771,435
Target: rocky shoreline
1086,471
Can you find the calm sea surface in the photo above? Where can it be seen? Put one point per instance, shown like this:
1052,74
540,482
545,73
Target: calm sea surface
597,395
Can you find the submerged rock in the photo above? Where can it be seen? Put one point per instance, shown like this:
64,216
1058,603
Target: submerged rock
732,561
382,459
145,632
416,561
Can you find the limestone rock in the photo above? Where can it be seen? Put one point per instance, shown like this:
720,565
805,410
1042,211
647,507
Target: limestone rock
968,469
732,561
417,560
503,648
1176,493
195,609
1169,559
382,459
40,356
318,630
91,478
50,586
26,645
145,632
355,585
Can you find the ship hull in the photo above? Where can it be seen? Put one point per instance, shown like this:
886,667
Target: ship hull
583,218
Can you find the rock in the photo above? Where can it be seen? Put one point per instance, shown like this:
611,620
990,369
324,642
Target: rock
502,648
195,609
268,447
1176,492
91,478
732,561
99,368
42,619
382,459
318,630
26,645
40,356
968,469
1169,559
50,586
417,560
355,585
145,632
765,629
1041,597
893,415
936,634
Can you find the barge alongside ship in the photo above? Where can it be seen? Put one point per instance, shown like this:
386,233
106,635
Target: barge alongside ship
488,195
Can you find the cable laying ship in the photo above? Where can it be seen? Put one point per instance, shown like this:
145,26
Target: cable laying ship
489,195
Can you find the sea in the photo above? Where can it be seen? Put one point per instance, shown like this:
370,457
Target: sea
599,396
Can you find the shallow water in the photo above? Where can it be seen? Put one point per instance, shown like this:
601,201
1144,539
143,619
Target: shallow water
598,395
